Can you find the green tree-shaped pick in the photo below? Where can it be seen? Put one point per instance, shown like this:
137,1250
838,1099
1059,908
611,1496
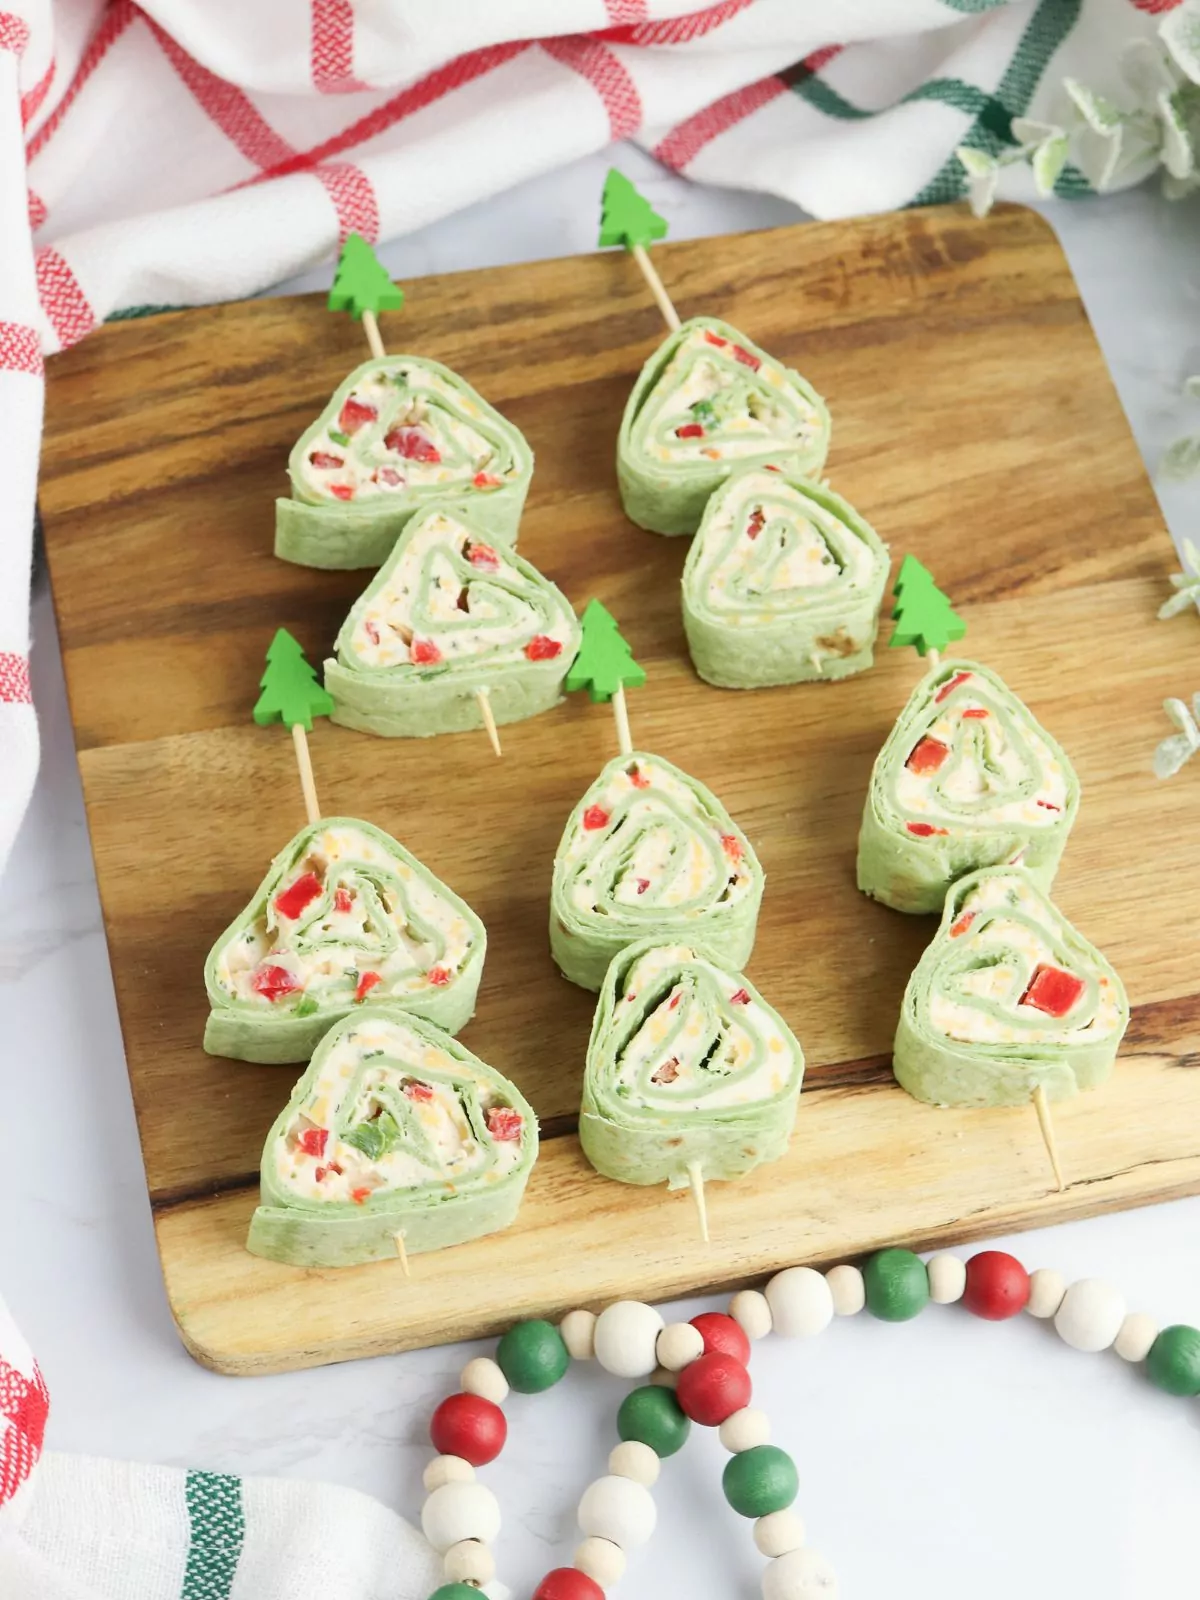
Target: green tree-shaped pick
290,691
924,616
625,217
605,662
361,282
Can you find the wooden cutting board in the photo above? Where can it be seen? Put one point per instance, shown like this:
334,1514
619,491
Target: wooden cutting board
974,423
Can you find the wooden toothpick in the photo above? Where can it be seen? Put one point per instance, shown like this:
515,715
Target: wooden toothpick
362,287
923,615
621,717
627,218
371,329
661,298
403,1254
695,1174
605,668
304,762
484,701
292,695
1042,1106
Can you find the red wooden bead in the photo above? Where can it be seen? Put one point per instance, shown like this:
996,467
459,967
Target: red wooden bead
997,1286
713,1388
722,1333
568,1583
466,1425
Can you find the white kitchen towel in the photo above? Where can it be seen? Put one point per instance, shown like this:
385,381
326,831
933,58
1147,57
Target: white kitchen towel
196,150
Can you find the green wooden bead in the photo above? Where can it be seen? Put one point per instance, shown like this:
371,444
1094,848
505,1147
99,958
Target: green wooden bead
532,1356
760,1481
1174,1360
455,1591
652,1416
897,1285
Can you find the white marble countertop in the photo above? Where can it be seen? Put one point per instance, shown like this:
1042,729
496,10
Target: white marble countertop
940,1458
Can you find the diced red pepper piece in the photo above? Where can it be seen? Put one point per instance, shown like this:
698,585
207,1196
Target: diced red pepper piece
977,712
642,885
360,1195
927,756
638,778
413,445
390,476
667,1073
923,830
274,982
367,981
767,467
675,999
333,1167
371,631
746,358
1053,991
290,902
755,526
439,976
960,924
595,817
313,1141
690,430
481,555
1048,805
322,458
739,997
486,480
950,685
504,1124
732,846
424,652
355,415
341,491
418,1091
343,900
543,648
714,338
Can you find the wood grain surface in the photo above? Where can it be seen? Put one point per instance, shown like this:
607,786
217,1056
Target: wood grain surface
974,423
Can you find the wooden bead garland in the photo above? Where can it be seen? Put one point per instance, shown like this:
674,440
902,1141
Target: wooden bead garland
696,1372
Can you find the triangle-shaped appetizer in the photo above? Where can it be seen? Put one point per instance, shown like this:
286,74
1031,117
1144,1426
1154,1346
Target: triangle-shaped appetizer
650,853
394,1129
1008,999
397,434
706,402
344,914
782,583
447,615
687,1066
967,778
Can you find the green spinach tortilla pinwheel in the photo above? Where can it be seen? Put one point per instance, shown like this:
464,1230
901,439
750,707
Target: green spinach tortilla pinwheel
967,778
447,616
397,434
343,914
394,1129
706,402
782,583
1008,998
650,853
687,1067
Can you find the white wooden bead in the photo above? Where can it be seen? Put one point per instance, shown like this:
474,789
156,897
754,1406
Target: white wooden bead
469,1562
947,1278
662,1379
634,1460
778,1533
1046,1290
618,1509
744,1430
484,1378
459,1511
1138,1333
1091,1315
578,1330
800,1575
446,1469
625,1337
602,1561
749,1309
801,1302
678,1346
848,1290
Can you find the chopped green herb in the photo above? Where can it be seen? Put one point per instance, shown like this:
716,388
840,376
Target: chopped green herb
307,1006
338,436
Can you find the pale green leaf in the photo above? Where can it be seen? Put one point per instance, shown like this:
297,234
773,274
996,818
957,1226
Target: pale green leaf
1181,460
1099,113
1177,154
1180,32
1146,69
1192,386
1028,131
976,163
1171,755
1049,159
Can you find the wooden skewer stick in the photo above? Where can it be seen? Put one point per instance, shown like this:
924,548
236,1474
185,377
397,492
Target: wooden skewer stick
696,1179
934,658
304,762
371,329
661,298
1045,1123
621,715
484,701
403,1254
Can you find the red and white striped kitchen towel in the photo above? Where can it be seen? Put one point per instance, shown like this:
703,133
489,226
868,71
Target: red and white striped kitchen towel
193,150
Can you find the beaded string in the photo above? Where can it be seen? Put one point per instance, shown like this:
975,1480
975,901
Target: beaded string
697,1372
